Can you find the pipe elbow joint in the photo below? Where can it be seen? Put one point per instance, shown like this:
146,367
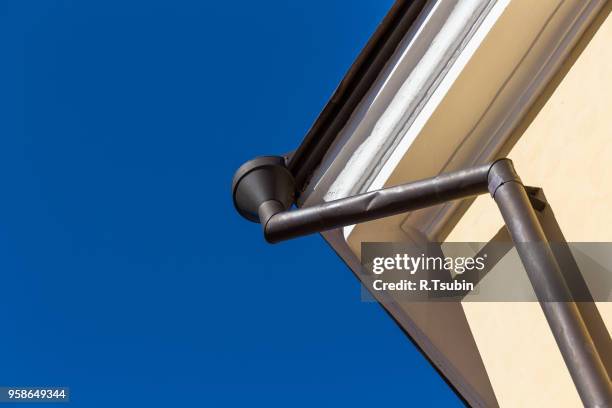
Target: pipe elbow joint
501,171
267,210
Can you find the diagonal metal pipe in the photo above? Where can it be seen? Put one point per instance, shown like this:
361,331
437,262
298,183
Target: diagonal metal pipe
562,314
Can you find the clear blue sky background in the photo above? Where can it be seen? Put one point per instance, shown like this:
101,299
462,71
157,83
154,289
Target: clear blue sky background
126,274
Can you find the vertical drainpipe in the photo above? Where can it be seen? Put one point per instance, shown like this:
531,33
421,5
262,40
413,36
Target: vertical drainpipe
567,325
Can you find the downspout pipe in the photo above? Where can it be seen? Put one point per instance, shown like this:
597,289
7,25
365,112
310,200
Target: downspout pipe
562,314
376,204
264,190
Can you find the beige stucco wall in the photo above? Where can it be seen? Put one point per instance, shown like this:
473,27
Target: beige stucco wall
564,146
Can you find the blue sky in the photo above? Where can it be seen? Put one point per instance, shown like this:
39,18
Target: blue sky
126,274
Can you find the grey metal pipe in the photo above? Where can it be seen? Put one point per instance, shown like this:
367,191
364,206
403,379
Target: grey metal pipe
571,334
376,204
263,191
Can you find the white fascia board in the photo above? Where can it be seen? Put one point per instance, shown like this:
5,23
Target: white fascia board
412,131
412,102
423,58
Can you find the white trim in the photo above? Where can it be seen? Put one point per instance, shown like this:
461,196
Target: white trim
414,130
411,76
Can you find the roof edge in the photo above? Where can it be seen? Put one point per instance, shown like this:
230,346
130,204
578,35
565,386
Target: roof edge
353,87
